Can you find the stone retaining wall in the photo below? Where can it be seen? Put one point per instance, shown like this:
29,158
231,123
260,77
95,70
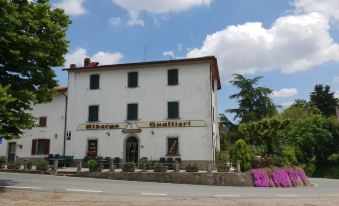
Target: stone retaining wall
222,179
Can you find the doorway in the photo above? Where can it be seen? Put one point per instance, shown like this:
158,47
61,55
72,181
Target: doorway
132,149
11,151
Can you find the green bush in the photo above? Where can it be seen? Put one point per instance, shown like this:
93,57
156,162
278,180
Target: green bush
334,158
192,167
288,157
242,153
94,165
29,164
160,167
42,165
3,159
128,167
310,168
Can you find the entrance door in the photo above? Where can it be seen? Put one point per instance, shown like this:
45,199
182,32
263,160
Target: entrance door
132,150
11,151
92,149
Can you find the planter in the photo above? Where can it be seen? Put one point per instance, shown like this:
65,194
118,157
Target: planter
13,166
160,168
192,168
29,167
223,168
91,169
42,167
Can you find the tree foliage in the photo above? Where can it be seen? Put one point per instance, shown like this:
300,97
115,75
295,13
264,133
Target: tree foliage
324,99
242,153
254,102
32,41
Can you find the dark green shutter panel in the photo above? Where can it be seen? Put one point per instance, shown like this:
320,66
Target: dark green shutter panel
173,110
132,112
94,81
132,79
172,75
93,113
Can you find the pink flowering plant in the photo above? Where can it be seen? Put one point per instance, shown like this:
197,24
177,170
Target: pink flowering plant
261,178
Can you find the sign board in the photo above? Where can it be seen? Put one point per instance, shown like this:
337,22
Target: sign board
102,126
131,130
68,135
167,124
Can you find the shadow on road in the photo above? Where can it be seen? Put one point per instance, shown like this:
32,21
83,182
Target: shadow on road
4,183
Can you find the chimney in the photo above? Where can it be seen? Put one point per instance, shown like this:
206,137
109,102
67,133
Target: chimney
72,66
87,61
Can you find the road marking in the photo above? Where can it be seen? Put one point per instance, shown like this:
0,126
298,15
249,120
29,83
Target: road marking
76,190
153,194
287,195
227,195
19,187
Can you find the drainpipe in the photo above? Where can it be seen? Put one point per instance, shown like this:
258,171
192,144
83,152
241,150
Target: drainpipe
65,123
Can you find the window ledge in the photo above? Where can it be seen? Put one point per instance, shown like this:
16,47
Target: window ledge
174,118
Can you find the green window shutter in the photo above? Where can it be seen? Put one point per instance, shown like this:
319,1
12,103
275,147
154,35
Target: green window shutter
93,113
173,110
172,77
132,111
132,79
94,81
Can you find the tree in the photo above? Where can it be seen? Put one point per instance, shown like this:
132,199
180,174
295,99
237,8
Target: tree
300,109
242,153
254,102
32,41
267,131
324,99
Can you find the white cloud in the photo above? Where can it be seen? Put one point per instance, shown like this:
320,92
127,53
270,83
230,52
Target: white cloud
293,43
336,94
158,7
328,8
168,53
285,92
72,7
115,21
77,57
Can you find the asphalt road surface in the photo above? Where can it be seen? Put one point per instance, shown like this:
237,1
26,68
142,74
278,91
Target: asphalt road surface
325,192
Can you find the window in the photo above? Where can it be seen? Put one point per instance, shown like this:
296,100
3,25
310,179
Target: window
94,81
172,77
40,146
92,148
93,113
42,121
132,79
132,112
172,146
173,110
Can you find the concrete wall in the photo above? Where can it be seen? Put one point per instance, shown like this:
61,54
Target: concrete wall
55,113
152,95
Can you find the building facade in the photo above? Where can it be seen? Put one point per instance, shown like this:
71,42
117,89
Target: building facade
159,109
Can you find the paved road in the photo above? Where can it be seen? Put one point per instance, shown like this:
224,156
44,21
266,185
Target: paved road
60,184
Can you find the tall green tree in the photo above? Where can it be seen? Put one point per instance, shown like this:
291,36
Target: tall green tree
32,41
254,102
324,99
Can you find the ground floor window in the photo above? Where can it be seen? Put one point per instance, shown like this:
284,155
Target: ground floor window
92,149
172,146
40,146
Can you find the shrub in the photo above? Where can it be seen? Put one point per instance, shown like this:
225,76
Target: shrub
242,153
192,167
42,165
94,165
3,159
160,167
128,167
334,158
261,178
29,164
310,168
288,157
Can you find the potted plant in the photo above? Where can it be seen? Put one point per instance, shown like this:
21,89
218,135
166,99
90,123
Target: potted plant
2,162
14,165
128,167
42,165
192,167
160,167
94,165
29,164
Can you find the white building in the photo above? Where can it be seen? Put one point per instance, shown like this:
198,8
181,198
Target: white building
149,109
47,137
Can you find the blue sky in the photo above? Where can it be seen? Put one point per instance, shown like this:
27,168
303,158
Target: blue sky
293,44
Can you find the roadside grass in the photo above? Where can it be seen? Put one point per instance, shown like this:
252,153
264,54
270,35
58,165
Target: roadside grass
327,172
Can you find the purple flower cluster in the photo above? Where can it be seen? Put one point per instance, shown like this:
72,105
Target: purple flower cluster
284,177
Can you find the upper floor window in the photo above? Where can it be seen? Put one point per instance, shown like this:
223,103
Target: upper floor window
173,110
132,112
172,77
94,80
42,122
93,113
132,79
